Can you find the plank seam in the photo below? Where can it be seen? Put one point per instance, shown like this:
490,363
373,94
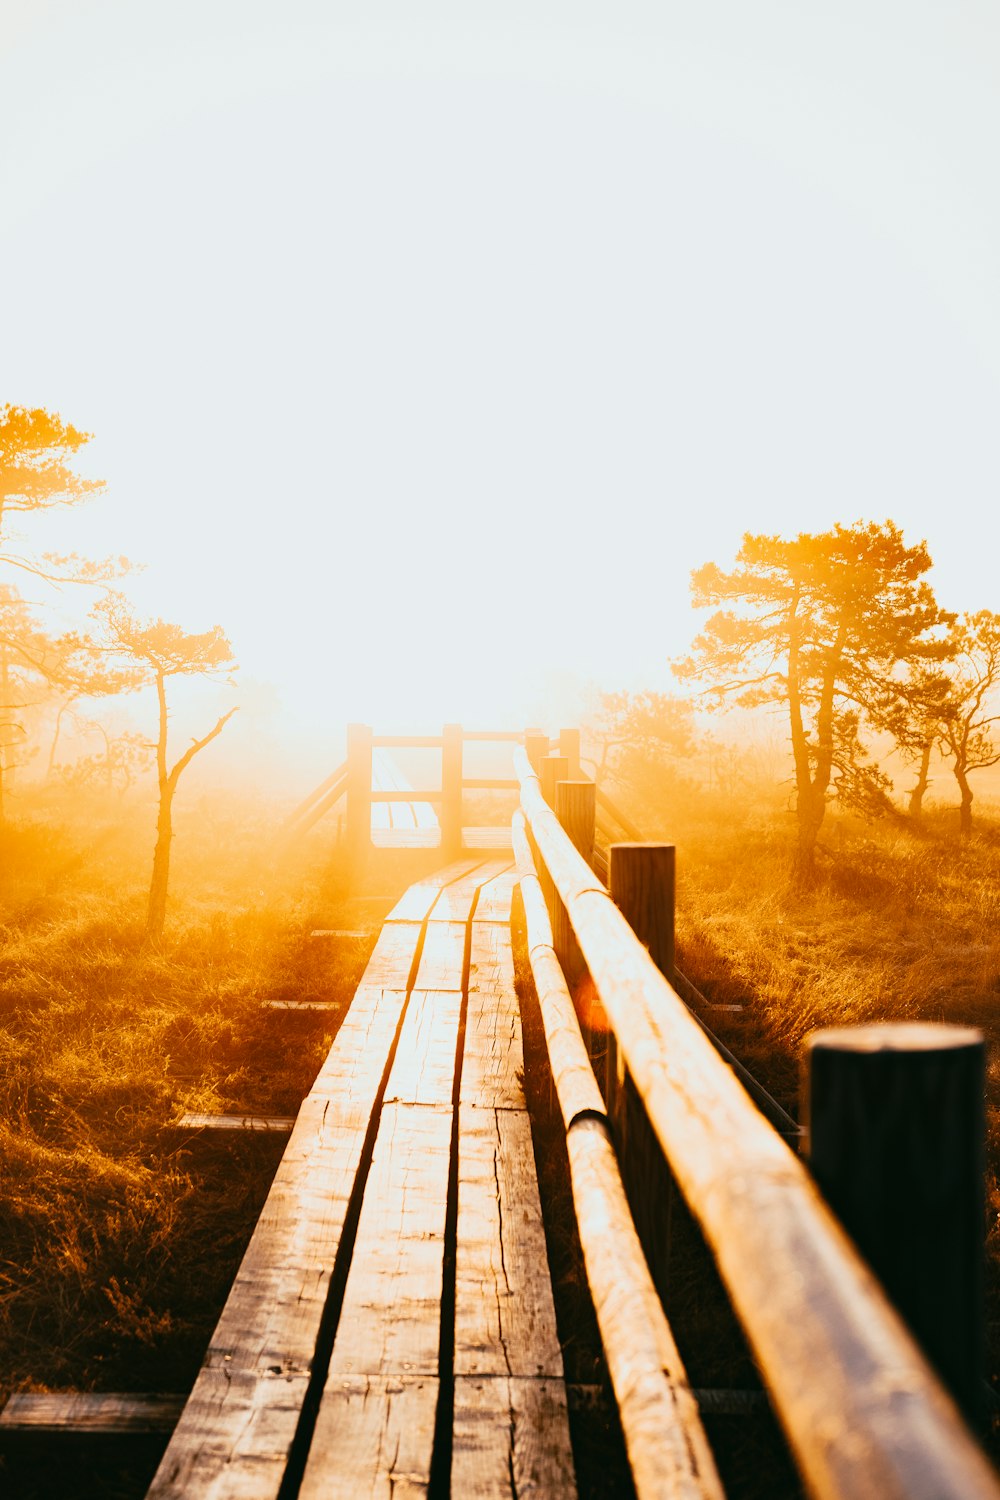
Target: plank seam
439,1480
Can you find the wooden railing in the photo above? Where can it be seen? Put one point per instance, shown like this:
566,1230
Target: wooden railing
861,1408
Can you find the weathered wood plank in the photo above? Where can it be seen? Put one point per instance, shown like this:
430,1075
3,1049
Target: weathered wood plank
373,1439
390,1321
443,958
233,1438
236,1430
456,900
493,904
354,1065
494,1056
423,1071
341,932
415,904
263,1124
392,956
301,1005
511,1440
505,1322
100,1412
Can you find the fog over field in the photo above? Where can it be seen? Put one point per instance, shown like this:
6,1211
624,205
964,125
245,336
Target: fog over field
429,351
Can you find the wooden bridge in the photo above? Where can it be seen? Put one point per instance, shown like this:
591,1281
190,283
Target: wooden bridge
392,1331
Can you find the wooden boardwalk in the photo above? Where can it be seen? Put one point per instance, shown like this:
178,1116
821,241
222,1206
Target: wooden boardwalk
391,1330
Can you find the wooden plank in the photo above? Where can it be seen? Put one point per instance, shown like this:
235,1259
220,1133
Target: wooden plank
414,905
406,838
76,1413
352,1069
373,1439
233,1438
390,1321
342,932
836,1358
494,1056
442,961
301,1005
266,1124
456,900
511,1440
392,956
237,1428
493,904
423,1071
505,1322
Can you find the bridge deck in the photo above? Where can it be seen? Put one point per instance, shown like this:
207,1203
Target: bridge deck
483,840
393,1314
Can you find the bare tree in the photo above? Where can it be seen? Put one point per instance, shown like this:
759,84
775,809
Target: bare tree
164,650
966,731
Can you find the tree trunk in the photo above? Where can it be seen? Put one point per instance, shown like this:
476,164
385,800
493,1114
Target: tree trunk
810,811
157,912
965,806
916,804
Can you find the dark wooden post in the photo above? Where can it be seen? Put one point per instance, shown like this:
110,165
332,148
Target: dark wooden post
536,745
359,795
451,790
554,770
576,809
641,880
894,1117
569,745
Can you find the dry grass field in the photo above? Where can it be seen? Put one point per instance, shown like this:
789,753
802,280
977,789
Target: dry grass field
107,1211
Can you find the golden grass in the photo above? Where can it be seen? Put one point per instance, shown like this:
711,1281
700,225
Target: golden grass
107,1216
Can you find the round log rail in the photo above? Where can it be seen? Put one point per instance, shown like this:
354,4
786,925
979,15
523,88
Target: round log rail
863,1413
668,1451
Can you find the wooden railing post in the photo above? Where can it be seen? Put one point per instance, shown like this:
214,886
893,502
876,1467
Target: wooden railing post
536,745
569,745
555,768
552,771
451,790
359,794
895,1132
576,809
643,887
642,883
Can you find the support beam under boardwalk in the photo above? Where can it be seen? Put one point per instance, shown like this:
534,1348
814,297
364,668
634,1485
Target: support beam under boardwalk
392,1328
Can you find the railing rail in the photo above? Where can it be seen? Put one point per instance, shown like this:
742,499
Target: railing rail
862,1410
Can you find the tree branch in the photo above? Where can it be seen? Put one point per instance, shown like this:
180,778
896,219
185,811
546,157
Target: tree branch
196,745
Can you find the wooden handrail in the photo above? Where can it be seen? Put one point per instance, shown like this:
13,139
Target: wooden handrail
863,1413
667,1448
315,796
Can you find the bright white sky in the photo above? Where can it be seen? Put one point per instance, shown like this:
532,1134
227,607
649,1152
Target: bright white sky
427,348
